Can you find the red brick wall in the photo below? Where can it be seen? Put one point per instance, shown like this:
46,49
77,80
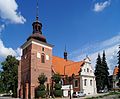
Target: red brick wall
31,67
25,68
36,66
77,88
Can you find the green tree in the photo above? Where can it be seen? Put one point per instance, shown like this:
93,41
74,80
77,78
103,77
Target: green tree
57,78
118,74
2,90
42,78
41,90
101,73
9,75
105,71
99,81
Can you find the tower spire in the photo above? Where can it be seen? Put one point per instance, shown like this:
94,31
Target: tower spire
37,26
65,48
37,7
65,54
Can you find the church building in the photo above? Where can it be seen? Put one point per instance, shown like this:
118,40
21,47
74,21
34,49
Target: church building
37,58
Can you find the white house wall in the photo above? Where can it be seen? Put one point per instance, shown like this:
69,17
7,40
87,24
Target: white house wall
88,89
88,74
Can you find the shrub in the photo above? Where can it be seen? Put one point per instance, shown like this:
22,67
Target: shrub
42,78
41,93
41,87
57,86
58,93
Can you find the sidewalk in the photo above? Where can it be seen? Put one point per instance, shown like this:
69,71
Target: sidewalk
94,95
88,96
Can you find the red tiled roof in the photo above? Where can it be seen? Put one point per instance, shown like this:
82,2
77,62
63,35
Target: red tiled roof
63,67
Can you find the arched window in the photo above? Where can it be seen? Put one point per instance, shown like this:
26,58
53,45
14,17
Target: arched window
42,58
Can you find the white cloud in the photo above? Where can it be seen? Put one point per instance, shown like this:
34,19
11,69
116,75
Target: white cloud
98,7
8,11
111,56
110,46
4,51
2,27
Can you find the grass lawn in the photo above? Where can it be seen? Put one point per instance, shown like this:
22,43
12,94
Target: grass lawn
102,96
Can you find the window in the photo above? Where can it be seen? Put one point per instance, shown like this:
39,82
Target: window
36,27
38,55
25,51
84,70
47,57
43,49
90,82
42,58
91,71
76,83
85,82
87,69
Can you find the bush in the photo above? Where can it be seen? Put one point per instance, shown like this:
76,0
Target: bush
57,86
58,93
41,87
41,93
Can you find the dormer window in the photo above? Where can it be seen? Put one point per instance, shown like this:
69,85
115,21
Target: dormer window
42,58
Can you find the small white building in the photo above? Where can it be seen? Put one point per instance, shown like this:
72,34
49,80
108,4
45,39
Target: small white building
87,78
66,89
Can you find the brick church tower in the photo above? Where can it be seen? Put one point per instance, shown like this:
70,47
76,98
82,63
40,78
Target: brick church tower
36,59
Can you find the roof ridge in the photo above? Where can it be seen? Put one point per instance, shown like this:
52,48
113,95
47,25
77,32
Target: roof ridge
63,58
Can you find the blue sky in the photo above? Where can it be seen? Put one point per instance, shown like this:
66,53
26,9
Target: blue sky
86,27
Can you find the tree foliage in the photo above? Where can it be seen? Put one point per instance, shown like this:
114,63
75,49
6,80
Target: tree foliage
118,74
105,71
56,78
99,81
2,89
101,72
57,86
9,75
42,78
41,90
